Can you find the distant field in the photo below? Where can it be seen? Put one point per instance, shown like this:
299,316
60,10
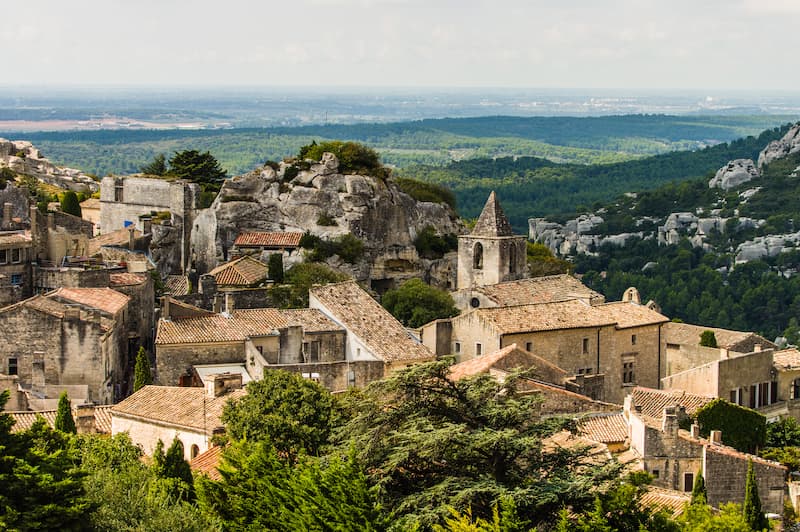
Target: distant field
431,142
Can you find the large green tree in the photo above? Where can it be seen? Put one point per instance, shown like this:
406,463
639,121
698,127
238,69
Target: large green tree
40,488
415,303
197,167
430,443
292,413
298,280
158,166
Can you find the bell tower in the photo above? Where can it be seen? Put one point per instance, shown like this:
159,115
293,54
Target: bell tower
491,253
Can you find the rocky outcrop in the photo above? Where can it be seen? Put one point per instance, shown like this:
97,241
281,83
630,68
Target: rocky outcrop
327,203
734,174
777,149
23,158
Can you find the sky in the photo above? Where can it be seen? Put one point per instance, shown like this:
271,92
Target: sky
630,44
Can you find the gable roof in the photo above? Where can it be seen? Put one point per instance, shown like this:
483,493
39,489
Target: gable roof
786,359
348,304
671,501
178,406
604,428
492,222
244,271
104,299
653,402
629,314
25,419
240,325
571,314
506,359
177,285
268,239
57,309
127,279
548,289
739,341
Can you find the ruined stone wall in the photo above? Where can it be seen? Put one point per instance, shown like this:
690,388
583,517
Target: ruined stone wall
337,376
46,279
174,361
726,473
557,402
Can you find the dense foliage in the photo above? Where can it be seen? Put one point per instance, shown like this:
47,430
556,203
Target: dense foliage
347,247
742,428
422,191
298,280
431,245
415,303
70,203
354,158
541,261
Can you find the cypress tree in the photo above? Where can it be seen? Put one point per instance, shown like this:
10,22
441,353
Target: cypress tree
142,375
276,268
699,495
752,503
174,464
64,420
70,204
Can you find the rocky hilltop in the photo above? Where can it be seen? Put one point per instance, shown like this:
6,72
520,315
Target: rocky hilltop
327,203
745,203
23,158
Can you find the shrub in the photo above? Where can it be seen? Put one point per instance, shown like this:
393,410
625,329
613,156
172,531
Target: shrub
354,158
708,339
432,246
421,191
326,220
742,428
416,303
348,247
70,204
290,172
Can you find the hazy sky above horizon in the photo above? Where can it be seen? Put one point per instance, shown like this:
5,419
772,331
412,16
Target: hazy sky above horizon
646,44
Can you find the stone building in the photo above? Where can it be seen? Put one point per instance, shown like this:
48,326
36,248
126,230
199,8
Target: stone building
54,343
674,456
548,289
620,340
16,251
373,335
190,415
491,253
299,340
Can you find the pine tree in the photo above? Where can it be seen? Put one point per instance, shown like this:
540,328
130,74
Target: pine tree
64,420
158,166
699,495
752,503
142,375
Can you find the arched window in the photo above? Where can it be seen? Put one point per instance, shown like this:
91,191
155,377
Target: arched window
195,451
512,258
477,256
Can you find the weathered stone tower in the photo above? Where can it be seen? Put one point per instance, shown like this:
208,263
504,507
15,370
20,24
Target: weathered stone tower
491,253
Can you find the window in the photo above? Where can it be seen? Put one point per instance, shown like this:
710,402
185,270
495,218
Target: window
688,481
529,346
773,392
3,256
584,371
477,256
628,375
195,450
512,259
655,473
12,366
633,339
796,389
457,348
585,346
674,347
15,255
16,279
478,350
736,396
118,187
474,302
351,378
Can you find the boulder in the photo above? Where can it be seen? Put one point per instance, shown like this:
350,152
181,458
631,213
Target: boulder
734,174
777,149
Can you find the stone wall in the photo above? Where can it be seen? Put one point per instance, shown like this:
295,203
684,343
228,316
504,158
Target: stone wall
503,260
726,474
337,376
141,311
175,361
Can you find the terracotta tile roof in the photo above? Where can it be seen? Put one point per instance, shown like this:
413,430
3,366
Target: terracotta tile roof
120,237
127,279
653,402
521,359
240,325
362,316
55,308
15,239
572,314
687,334
786,359
176,285
244,271
547,289
492,221
25,420
266,239
91,203
104,299
179,310
671,501
206,463
604,429
628,314
177,406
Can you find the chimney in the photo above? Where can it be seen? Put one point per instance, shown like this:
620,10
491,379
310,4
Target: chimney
165,308
34,212
222,383
695,431
757,348
51,221
229,303
84,419
7,207
670,421
723,353
716,437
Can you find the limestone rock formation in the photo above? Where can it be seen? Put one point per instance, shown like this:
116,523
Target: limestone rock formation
777,149
23,158
329,204
734,174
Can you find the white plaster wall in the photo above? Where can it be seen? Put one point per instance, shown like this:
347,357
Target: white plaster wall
147,434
